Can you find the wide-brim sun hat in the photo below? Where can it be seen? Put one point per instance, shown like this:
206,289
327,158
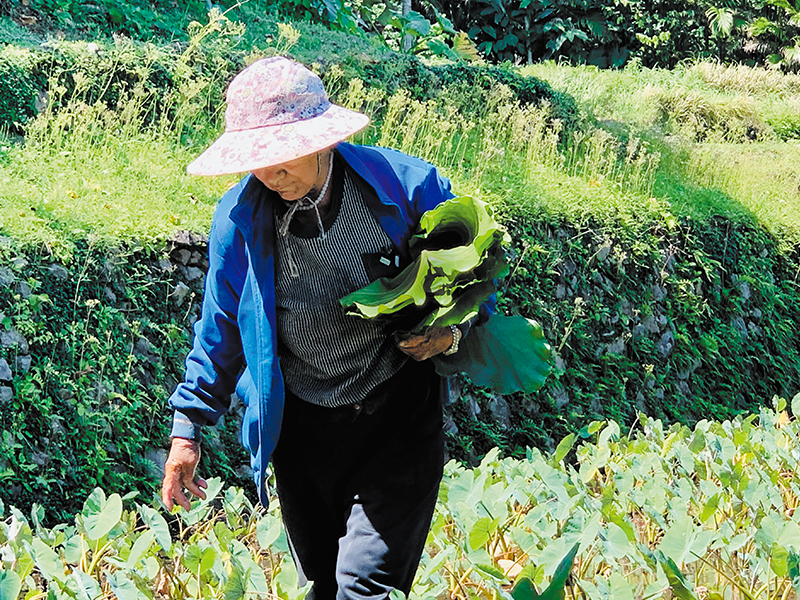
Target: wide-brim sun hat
277,111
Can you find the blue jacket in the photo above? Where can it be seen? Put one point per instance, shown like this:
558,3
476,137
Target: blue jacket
235,344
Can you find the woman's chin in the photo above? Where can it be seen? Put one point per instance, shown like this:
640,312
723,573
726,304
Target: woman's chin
289,196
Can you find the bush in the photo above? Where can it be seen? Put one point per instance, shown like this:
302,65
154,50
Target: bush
113,72
96,348
784,118
468,86
22,87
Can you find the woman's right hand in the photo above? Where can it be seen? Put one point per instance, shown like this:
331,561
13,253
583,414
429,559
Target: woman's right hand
179,473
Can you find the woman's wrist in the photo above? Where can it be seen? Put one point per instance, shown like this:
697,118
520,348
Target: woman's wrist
457,335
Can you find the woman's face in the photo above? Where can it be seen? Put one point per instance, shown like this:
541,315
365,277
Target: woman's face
293,179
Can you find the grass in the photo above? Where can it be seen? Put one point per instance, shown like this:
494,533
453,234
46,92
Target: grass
108,193
637,161
756,180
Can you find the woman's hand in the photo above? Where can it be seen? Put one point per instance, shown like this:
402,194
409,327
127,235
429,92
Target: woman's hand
179,473
434,341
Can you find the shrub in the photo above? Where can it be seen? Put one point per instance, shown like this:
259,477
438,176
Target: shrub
784,118
468,86
96,348
22,86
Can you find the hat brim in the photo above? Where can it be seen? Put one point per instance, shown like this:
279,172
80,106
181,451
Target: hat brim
242,151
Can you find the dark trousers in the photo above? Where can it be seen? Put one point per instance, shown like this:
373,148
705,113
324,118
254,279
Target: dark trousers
357,485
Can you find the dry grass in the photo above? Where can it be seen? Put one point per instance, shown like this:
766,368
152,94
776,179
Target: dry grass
746,80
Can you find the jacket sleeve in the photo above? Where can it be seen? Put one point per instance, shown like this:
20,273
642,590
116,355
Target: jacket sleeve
216,358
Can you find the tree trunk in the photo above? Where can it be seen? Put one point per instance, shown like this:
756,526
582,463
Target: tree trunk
407,41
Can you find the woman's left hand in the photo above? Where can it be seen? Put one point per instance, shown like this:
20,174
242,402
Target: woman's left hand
434,341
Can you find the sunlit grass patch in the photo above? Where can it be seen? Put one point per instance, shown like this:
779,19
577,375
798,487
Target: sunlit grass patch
126,189
716,129
763,178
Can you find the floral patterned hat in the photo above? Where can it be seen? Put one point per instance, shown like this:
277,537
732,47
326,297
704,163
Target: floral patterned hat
277,111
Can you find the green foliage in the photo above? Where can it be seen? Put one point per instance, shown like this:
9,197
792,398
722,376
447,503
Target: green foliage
680,323
104,17
154,81
621,237
506,355
467,86
108,344
703,512
527,90
456,256
771,27
604,33
21,83
702,117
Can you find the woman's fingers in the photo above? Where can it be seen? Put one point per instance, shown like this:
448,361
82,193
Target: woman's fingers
179,474
434,341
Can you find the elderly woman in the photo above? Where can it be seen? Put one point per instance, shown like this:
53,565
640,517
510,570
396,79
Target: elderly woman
352,426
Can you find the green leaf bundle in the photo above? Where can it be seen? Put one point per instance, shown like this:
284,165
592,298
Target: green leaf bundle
456,256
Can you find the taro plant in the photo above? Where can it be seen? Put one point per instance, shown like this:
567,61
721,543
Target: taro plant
704,513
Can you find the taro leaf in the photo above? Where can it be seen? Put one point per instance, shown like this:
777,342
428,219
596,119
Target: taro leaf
619,588
10,585
555,591
386,16
590,429
481,532
793,564
563,448
46,560
123,588
333,7
490,570
83,585
257,581
158,524
286,578
677,582
616,543
236,585
385,296
779,560
508,354
796,406
74,549
200,507
609,434
199,560
678,539
710,508
100,515
461,221
208,559
524,590
267,531
440,48
224,534
139,548
418,24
